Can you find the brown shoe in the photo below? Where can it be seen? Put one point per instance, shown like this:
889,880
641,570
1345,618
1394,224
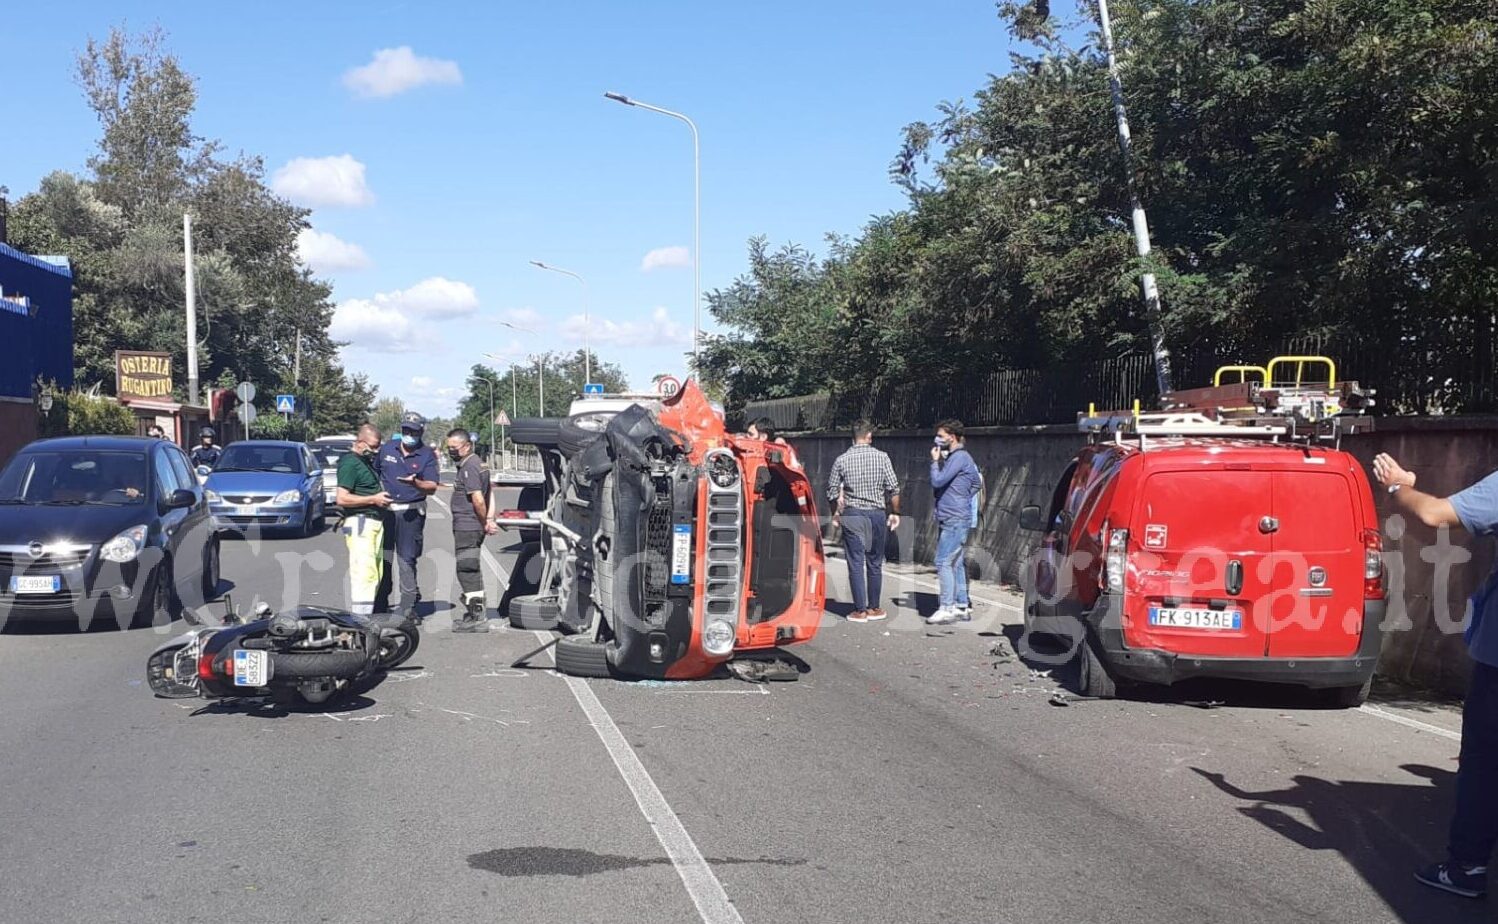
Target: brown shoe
858,616
875,614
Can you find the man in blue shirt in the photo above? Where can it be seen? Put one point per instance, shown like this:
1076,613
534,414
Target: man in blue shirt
1474,825
956,481
409,475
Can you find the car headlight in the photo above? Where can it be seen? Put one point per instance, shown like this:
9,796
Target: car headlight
287,497
126,546
718,637
211,495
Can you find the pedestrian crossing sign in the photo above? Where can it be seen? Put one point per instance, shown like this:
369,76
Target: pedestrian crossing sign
285,404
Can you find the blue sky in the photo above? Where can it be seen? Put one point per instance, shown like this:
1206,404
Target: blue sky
487,143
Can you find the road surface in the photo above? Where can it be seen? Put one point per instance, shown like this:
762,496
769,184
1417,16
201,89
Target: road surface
912,774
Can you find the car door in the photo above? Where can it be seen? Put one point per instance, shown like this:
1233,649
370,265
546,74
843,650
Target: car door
312,481
186,528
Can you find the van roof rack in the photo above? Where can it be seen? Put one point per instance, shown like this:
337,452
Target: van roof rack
1262,403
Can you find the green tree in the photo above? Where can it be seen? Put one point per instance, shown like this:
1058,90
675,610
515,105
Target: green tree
387,415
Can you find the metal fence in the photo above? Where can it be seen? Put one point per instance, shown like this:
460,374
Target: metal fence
1410,376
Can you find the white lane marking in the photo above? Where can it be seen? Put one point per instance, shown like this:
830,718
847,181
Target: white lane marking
701,882
930,585
1367,709
493,563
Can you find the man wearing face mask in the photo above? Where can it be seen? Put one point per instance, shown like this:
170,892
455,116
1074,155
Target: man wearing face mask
362,504
956,482
409,474
471,523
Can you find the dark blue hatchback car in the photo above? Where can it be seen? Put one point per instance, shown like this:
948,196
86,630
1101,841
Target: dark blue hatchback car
104,527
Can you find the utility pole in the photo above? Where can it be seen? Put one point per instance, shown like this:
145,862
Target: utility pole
541,383
1141,224
192,312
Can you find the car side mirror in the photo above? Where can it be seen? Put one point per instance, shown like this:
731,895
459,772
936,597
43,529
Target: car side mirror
1029,518
181,499
204,471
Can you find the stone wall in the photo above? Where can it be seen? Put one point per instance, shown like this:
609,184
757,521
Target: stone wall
1021,466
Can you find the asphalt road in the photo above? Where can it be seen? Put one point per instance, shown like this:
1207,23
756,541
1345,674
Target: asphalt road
912,774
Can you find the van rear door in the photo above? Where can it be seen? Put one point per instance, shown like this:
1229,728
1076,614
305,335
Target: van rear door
1196,560
1316,571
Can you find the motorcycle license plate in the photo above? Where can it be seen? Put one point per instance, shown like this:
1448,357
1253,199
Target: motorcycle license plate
36,584
681,554
251,668
1189,618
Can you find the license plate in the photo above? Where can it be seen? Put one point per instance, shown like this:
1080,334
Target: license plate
1171,617
681,554
245,511
36,584
251,668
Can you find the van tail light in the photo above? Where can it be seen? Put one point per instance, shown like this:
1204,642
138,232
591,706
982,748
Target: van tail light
1373,565
1116,561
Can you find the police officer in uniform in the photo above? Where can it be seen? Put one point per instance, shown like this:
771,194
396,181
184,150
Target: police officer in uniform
409,474
206,453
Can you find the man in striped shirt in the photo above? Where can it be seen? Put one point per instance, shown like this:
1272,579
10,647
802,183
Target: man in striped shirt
864,495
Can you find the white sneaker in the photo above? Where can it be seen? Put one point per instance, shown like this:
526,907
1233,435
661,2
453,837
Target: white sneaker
942,617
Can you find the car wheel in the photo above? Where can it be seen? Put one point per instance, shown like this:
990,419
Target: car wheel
533,612
583,656
1346,697
159,606
1093,678
574,434
211,561
535,431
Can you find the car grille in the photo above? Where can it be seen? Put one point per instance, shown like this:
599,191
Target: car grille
12,560
658,543
246,500
65,597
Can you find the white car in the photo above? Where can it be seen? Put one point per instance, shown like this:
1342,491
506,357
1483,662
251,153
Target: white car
328,450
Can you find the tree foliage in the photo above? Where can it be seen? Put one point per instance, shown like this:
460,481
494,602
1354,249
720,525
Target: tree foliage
1310,167
518,395
121,227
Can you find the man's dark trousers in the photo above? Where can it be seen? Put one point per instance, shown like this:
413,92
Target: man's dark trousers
469,545
404,541
864,534
1474,826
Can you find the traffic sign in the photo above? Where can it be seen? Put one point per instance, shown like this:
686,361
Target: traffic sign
285,404
245,391
503,419
593,388
667,385
246,414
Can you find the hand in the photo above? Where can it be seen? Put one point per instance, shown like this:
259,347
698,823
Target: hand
491,528
381,500
407,479
935,454
894,522
1388,472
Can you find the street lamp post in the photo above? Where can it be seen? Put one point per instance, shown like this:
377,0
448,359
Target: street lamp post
696,216
587,350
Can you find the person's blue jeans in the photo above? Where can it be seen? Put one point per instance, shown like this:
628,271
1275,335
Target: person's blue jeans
864,535
951,564
1474,825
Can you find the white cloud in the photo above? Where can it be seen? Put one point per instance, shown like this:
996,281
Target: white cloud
327,253
396,70
436,298
660,330
666,258
378,328
525,317
323,181
394,322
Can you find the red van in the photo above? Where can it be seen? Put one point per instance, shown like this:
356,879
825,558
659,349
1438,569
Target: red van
1211,556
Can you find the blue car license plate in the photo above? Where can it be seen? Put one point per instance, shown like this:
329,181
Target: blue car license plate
35,583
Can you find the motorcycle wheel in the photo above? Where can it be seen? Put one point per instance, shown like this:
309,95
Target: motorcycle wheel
397,645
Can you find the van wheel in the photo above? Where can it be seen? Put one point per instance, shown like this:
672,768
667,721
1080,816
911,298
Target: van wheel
583,656
1346,697
1093,678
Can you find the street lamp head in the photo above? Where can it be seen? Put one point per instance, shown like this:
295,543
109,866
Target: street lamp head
538,263
619,98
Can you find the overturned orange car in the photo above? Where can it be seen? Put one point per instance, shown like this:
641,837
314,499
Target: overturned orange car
671,546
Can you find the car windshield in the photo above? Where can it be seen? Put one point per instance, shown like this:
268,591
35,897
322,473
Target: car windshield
75,477
264,458
329,455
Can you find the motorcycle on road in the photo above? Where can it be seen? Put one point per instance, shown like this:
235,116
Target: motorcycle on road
307,653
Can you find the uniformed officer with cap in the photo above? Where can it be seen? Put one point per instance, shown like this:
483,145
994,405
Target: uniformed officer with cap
409,474
206,452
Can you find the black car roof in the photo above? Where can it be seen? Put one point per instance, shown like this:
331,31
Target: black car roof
266,443
79,443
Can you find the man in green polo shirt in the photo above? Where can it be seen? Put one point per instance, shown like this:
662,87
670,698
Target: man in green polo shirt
362,502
